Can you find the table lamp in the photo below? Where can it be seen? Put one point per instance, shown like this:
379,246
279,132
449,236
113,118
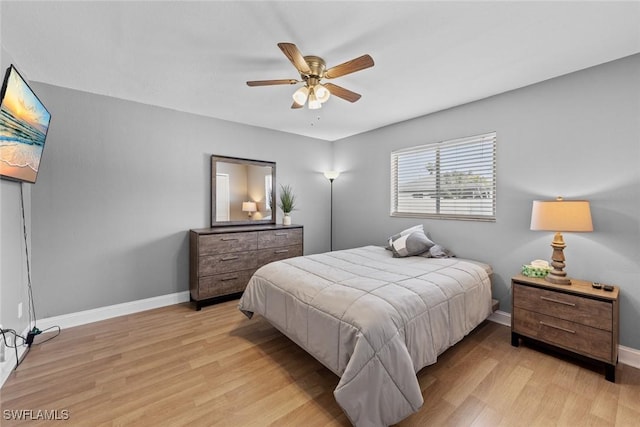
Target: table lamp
249,207
560,215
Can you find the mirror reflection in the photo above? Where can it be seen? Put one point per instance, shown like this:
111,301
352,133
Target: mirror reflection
242,191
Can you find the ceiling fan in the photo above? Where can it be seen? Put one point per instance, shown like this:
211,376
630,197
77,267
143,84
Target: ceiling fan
312,70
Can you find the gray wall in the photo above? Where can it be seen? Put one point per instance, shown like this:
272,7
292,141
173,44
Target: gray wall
577,136
120,185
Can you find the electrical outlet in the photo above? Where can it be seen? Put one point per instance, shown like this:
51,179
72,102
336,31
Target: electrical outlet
19,310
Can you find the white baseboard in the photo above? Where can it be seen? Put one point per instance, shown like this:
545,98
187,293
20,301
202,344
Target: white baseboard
108,312
90,316
501,317
627,355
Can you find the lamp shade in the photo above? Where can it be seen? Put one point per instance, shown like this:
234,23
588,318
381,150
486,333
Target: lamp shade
300,95
331,174
561,215
322,93
314,103
249,207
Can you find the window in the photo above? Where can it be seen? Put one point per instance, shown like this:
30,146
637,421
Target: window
450,179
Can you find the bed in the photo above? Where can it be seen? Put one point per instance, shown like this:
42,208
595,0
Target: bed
373,319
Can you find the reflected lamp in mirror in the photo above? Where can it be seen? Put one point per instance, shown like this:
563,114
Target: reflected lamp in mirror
249,207
560,216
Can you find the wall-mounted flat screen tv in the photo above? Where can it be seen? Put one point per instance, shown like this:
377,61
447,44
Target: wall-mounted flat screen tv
24,122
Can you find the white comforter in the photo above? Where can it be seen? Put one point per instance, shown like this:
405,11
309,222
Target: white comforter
374,320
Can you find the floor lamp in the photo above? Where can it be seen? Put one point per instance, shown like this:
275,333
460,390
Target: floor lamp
331,175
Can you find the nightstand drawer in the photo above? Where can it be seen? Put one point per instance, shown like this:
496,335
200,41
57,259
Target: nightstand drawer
582,339
279,238
574,308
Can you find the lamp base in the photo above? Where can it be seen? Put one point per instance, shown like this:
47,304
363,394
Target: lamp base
557,279
558,276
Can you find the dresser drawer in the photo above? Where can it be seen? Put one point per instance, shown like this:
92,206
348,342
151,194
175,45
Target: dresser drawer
574,308
279,238
592,342
265,256
227,242
226,263
224,284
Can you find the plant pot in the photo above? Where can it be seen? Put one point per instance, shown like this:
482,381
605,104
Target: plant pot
286,220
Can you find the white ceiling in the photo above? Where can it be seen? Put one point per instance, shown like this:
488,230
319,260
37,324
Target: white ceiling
196,56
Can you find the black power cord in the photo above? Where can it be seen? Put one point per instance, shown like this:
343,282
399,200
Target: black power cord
28,341
16,335
32,307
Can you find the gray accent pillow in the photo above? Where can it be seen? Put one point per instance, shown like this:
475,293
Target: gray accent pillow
411,244
409,230
437,251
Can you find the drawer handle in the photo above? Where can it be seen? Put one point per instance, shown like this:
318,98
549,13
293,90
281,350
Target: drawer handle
557,327
282,234
228,239
226,279
558,301
282,251
229,258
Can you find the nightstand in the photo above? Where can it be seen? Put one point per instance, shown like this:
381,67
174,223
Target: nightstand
573,317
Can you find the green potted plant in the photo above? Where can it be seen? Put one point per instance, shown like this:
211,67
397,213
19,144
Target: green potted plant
287,202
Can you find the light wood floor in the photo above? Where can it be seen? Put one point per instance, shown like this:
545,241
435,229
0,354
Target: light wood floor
174,366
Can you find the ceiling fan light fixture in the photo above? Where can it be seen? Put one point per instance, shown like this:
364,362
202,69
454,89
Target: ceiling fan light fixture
321,92
312,70
314,103
300,95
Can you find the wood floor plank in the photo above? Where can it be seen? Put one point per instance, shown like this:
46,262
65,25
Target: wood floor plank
488,417
175,366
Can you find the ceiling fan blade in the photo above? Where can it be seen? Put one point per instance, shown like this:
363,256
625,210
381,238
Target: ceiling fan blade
272,82
291,51
295,105
360,63
341,92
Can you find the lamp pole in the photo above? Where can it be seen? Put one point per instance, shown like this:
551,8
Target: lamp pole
331,217
331,175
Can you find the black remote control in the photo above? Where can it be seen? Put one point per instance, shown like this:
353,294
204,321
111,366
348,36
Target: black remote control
607,288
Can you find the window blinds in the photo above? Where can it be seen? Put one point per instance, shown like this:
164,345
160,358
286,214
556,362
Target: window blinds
453,179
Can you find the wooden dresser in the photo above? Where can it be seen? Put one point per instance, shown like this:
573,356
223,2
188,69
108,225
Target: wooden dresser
223,259
574,317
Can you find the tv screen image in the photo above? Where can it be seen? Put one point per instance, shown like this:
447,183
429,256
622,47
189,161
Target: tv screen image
24,122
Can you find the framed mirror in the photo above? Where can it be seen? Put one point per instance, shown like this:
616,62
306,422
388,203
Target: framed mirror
242,191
